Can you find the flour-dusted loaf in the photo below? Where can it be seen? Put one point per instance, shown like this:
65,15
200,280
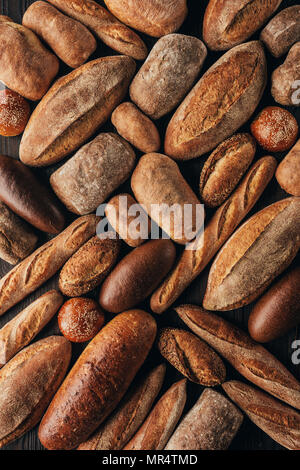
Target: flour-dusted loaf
74,108
288,171
285,79
221,102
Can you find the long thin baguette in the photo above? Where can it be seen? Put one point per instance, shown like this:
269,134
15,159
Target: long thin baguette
249,358
280,422
44,262
196,257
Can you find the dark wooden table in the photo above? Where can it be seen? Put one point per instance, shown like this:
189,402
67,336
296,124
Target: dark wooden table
250,437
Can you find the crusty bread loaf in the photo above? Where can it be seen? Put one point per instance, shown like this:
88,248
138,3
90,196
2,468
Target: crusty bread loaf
27,384
221,102
231,22
130,414
197,255
211,424
261,249
70,40
23,328
98,380
285,88
17,240
161,422
28,67
249,358
44,262
113,33
280,422
288,171
74,108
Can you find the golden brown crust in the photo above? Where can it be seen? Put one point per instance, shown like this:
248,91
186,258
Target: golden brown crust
288,171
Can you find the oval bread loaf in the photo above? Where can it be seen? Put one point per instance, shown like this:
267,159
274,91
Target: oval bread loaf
261,249
98,380
27,384
285,79
288,171
74,108
221,102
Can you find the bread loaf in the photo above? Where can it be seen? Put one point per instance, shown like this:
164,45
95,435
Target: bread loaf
27,384
89,266
28,67
249,358
278,310
70,40
288,171
24,327
168,74
22,191
154,17
93,173
221,102
161,422
165,195
14,113
285,79
191,356
74,108
44,262
113,33
211,424
114,433
231,22
98,380
225,167
137,275
16,239
261,249
282,31
280,422
199,253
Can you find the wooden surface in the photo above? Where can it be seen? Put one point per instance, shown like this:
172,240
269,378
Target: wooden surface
249,437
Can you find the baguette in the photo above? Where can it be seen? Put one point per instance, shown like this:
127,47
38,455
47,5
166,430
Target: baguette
280,422
161,422
44,262
24,327
27,384
128,417
98,380
261,249
249,358
113,33
74,108
197,255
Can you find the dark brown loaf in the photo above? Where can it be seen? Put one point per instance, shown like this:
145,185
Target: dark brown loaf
260,250
89,266
192,357
44,262
285,89
154,17
137,275
249,358
114,433
288,171
225,167
168,74
98,380
27,67
27,384
16,238
70,40
231,22
28,197
113,33
282,31
93,173
278,310
280,422
24,327
74,108
211,424
161,422
197,255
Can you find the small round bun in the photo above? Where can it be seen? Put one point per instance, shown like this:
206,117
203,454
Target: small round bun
14,113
